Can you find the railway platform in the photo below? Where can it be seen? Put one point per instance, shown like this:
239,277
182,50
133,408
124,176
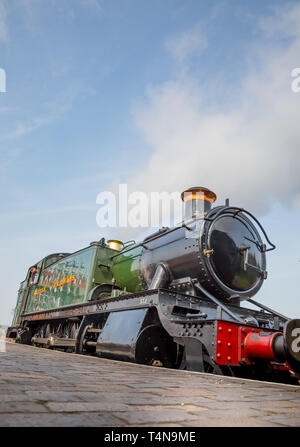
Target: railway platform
42,388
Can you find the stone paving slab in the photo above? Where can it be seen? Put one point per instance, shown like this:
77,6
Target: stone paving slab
45,388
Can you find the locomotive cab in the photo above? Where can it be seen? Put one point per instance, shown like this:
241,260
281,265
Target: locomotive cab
31,279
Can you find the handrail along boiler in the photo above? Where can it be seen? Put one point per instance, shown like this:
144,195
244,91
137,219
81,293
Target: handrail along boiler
174,299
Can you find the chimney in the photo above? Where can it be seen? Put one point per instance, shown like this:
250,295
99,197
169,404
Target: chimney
197,202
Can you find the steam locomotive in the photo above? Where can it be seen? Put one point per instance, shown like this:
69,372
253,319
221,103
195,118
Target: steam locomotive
173,300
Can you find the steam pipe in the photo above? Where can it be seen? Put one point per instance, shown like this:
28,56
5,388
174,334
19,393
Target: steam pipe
218,303
161,277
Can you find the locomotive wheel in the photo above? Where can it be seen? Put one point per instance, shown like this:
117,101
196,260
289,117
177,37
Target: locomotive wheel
74,330
81,347
47,331
155,347
102,291
204,364
212,368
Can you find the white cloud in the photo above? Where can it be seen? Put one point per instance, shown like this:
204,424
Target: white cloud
284,22
23,128
186,44
248,151
51,112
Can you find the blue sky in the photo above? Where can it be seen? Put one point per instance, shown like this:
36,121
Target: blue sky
161,95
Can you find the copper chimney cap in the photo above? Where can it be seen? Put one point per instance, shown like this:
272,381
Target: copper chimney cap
192,193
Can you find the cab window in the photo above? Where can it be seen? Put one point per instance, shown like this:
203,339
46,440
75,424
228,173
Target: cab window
34,274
